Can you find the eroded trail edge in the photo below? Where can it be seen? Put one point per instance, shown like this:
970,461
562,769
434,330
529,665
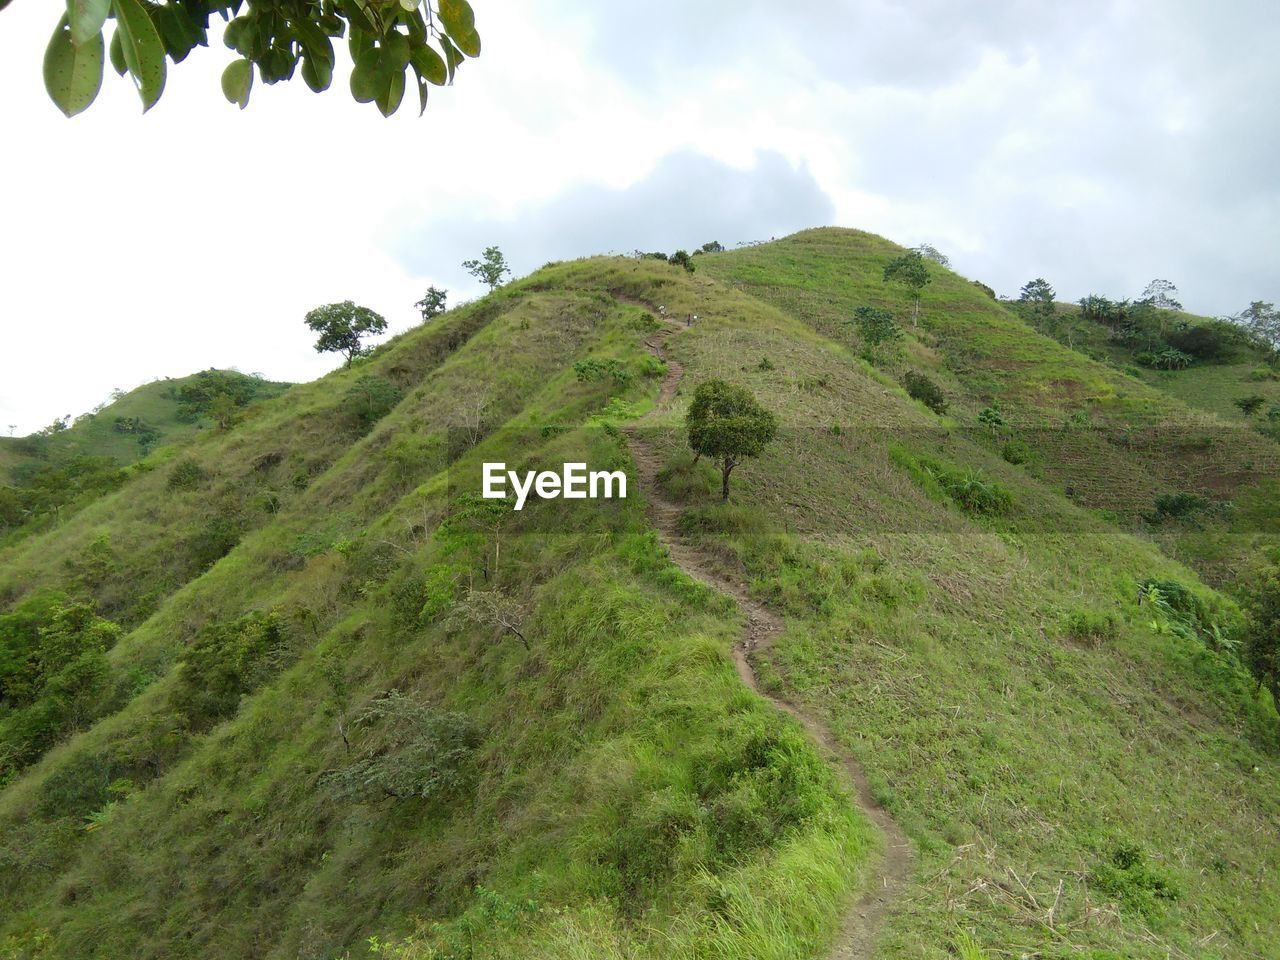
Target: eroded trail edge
865,919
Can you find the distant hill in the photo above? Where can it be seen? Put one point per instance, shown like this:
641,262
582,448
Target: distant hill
71,462
134,423
948,674
1222,367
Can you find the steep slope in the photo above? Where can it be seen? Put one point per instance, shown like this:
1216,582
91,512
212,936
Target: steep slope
328,734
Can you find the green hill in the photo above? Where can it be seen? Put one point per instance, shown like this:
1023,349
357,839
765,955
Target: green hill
56,470
293,690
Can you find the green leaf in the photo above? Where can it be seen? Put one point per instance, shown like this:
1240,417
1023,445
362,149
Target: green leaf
364,78
468,43
421,84
316,41
237,81
117,54
457,17
389,98
180,32
430,65
452,56
143,50
87,18
317,72
72,72
396,46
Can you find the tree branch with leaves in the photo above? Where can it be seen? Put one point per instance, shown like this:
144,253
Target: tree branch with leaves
274,40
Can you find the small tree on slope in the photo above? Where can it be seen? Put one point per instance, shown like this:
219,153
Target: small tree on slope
910,271
341,327
726,423
489,269
1262,641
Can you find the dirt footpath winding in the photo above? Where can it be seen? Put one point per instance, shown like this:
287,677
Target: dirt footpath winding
861,930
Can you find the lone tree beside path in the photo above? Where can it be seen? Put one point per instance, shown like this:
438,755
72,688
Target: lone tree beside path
726,423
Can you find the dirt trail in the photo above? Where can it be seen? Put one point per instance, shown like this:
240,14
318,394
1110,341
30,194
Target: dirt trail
861,929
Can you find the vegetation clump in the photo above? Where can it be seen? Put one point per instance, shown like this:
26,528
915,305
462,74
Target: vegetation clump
1128,876
407,751
368,400
922,388
54,676
876,328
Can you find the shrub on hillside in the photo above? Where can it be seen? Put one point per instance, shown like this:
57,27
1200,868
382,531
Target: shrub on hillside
197,396
54,675
1092,627
973,492
1262,631
1250,405
408,750
368,400
681,258
227,661
216,538
1128,877
876,328
594,370
1017,452
919,387
1167,359
1179,506
1208,341
186,473
991,417
966,487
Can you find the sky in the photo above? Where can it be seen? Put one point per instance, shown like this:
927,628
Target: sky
1097,144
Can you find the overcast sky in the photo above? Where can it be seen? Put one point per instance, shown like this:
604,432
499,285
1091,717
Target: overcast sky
1097,144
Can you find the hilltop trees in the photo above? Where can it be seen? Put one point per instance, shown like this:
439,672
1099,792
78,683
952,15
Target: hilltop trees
341,327
432,303
726,423
1038,296
272,37
910,271
933,254
1262,320
1162,295
681,258
490,268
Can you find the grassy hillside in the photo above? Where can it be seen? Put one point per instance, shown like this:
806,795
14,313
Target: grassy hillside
1107,440
50,474
1212,383
133,423
347,700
